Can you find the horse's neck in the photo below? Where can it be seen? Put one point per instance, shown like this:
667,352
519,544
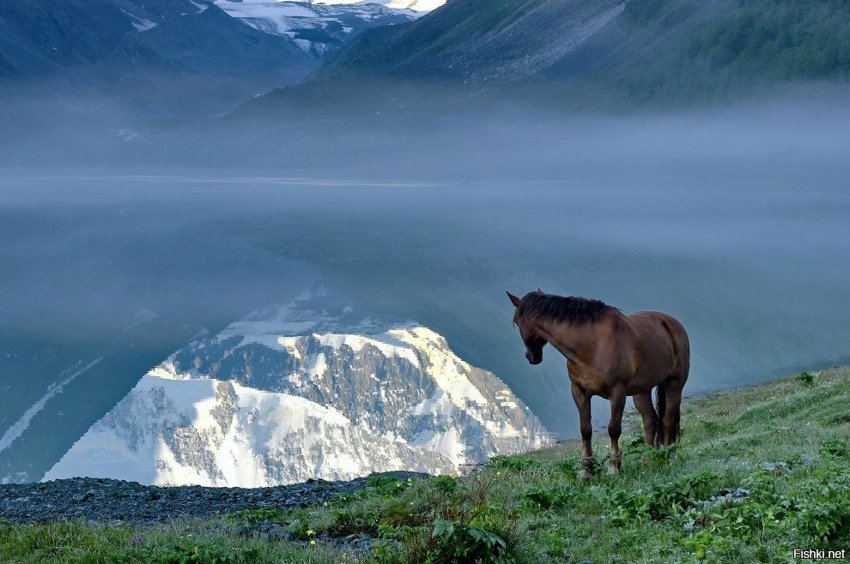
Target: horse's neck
569,340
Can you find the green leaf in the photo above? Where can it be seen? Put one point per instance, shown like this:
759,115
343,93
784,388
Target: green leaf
443,527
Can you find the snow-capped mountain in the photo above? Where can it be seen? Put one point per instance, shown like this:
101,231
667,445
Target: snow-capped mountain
322,28
172,58
293,394
156,58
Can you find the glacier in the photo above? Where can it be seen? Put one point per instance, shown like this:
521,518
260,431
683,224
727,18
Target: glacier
295,393
322,27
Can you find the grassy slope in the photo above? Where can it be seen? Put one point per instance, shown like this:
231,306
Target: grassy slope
785,442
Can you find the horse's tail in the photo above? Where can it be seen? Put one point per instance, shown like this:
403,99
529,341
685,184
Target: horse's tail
661,408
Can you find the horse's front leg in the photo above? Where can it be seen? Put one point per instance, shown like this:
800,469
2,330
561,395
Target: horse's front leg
582,399
615,428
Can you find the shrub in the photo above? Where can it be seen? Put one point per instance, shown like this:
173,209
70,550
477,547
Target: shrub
821,505
388,485
558,497
514,463
464,542
834,447
807,379
657,501
447,485
212,553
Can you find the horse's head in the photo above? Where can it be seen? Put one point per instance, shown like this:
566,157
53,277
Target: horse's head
534,343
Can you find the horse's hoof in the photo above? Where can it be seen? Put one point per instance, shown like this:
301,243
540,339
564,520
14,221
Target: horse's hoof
613,470
584,474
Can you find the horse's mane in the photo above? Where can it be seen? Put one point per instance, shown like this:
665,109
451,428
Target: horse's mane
569,309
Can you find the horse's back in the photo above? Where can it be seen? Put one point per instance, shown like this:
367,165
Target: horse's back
664,340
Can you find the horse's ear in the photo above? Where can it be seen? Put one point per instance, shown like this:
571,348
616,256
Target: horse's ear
539,290
514,300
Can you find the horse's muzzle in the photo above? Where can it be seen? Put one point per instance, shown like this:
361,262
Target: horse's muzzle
532,360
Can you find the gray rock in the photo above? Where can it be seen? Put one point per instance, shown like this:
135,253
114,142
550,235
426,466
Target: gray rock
109,501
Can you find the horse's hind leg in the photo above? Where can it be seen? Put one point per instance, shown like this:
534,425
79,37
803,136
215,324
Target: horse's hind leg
670,419
643,403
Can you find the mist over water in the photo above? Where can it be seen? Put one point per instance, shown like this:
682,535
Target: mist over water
736,222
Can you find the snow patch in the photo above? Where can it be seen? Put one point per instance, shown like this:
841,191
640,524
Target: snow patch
141,24
448,370
201,7
317,27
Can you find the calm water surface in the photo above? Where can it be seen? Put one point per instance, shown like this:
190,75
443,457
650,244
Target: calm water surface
128,268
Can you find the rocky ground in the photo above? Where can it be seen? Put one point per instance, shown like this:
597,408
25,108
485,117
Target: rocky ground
117,501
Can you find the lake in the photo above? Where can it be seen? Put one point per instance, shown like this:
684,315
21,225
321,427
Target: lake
121,270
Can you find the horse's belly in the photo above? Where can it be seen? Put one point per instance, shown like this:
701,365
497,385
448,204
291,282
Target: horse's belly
591,383
636,390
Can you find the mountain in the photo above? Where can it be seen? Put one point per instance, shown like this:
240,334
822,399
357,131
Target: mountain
595,52
167,58
44,37
293,394
160,57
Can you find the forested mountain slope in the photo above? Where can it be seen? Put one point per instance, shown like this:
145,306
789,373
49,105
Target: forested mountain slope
600,52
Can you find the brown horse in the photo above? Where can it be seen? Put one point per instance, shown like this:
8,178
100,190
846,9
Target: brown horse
613,355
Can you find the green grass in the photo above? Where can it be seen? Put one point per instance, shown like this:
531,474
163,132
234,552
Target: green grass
786,443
